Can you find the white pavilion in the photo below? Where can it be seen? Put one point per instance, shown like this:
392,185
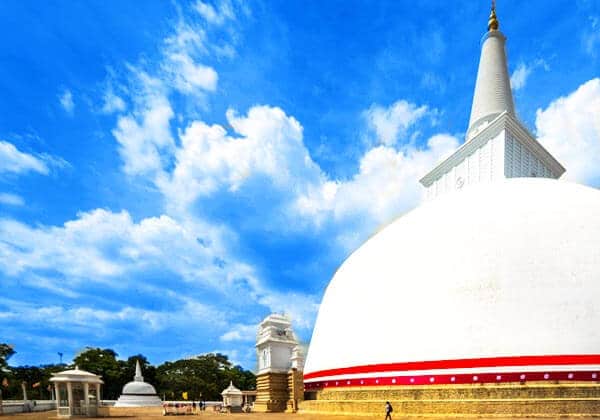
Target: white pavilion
77,392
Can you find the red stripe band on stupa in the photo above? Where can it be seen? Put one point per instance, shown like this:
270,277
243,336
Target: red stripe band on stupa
487,362
456,379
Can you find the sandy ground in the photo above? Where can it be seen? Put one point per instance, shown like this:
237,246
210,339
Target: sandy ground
50,415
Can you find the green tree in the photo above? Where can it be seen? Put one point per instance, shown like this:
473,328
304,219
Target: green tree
6,351
6,375
148,371
36,379
104,362
203,377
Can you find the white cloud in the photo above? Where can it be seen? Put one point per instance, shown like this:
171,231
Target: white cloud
11,199
145,135
181,70
385,186
188,76
101,245
591,37
66,101
111,250
270,145
518,79
213,15
390,123
82,317
570,129
241,332
301,308
113,103
15,161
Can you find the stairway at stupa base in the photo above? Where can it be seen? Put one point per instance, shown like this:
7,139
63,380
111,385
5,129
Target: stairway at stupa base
507,400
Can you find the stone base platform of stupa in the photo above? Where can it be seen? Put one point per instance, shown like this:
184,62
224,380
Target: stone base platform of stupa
481,400
112,411
271,392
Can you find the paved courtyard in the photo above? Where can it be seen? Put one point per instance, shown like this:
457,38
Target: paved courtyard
252,416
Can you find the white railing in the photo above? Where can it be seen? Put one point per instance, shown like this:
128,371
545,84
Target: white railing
20,406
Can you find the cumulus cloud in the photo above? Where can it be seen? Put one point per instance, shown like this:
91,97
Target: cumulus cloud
385,186
269,144
390,123
15,161
144,135
66,101
570,129
100,245
110,249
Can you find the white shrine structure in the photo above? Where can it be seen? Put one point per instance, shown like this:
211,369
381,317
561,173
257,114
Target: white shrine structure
481,301
232,398
77,393
138,393
280,364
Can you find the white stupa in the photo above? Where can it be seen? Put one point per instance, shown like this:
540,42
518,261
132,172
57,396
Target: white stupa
138,393
493,281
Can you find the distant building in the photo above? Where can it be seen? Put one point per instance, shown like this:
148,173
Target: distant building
279,384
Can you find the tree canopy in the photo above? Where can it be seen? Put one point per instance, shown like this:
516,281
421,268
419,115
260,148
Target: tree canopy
6,351
202,377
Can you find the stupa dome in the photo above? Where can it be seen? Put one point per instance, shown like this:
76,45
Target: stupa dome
139,388
138,393
497,279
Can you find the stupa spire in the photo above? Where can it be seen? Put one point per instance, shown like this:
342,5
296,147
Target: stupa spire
138,372
492,94
493,23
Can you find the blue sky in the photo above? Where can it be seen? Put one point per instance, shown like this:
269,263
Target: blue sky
173,172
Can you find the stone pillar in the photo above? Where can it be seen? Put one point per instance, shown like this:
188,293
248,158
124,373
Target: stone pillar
24,388
86,397
98,397
70,398
57,398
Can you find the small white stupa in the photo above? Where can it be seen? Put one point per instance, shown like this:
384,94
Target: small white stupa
138,393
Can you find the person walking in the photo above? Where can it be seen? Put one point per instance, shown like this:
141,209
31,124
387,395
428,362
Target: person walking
388,410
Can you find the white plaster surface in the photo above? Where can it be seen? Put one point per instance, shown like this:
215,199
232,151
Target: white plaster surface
511,268
275,343
492,89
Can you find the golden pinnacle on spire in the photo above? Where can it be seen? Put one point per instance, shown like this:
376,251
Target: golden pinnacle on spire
493,23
